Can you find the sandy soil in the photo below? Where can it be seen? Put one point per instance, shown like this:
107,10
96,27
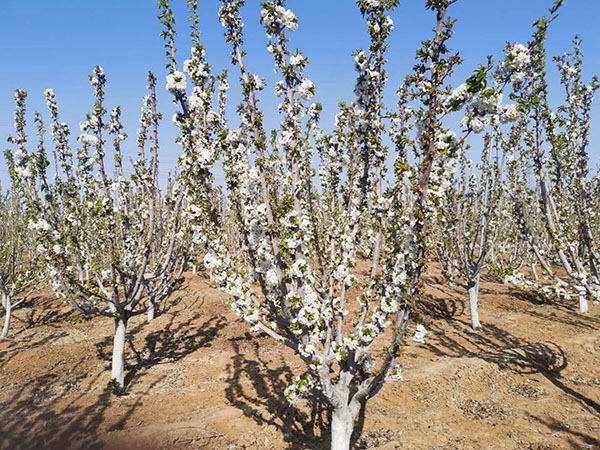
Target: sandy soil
199,380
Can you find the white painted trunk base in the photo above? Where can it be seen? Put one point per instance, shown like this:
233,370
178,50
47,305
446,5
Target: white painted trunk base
118,356
8,313
150,313
534,272
473,305
583,303
342,424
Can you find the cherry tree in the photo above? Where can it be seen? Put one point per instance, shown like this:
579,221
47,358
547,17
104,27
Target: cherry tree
554,141
303,225
19,271
469,202
113,244
466,226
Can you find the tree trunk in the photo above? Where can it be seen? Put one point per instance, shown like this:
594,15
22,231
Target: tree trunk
150,312
534,272
8,311
583,304
342,424
118,356
473,290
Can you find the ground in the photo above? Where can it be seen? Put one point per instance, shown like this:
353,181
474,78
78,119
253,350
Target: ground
198,379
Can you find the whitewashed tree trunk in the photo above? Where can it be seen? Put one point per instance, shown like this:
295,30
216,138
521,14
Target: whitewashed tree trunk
150,312
8,312
118,356
342,424
534,272
473,290
583,303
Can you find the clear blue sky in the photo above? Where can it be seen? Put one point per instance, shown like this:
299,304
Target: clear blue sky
56,43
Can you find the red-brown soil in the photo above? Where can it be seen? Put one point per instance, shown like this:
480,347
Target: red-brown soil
199,380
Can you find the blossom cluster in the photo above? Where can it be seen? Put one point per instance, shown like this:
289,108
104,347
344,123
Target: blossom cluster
95,232
517,57
276,16
176,83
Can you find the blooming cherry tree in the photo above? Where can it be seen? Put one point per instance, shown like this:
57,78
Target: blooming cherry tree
113,244
471,201
307,206
302,229
466,224
554,141
19,271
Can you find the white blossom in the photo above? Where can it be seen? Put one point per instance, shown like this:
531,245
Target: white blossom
397,374
477,124
211,261
88,139
306,89
517,57
296,59
271,277
40,225
510,113
176,83
279,16
420,333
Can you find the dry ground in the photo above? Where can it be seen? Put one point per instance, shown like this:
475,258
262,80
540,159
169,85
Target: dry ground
199,380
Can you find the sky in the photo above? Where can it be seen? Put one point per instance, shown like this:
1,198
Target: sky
56,44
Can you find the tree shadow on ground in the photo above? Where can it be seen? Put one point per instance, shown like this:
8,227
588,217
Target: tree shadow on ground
170,344
28,315
561,427
572,318
532,296
13,346
565,312
28,420
487,277
40,310
509,352
256,387
31,419
435,280
439,308
562,310
174,342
